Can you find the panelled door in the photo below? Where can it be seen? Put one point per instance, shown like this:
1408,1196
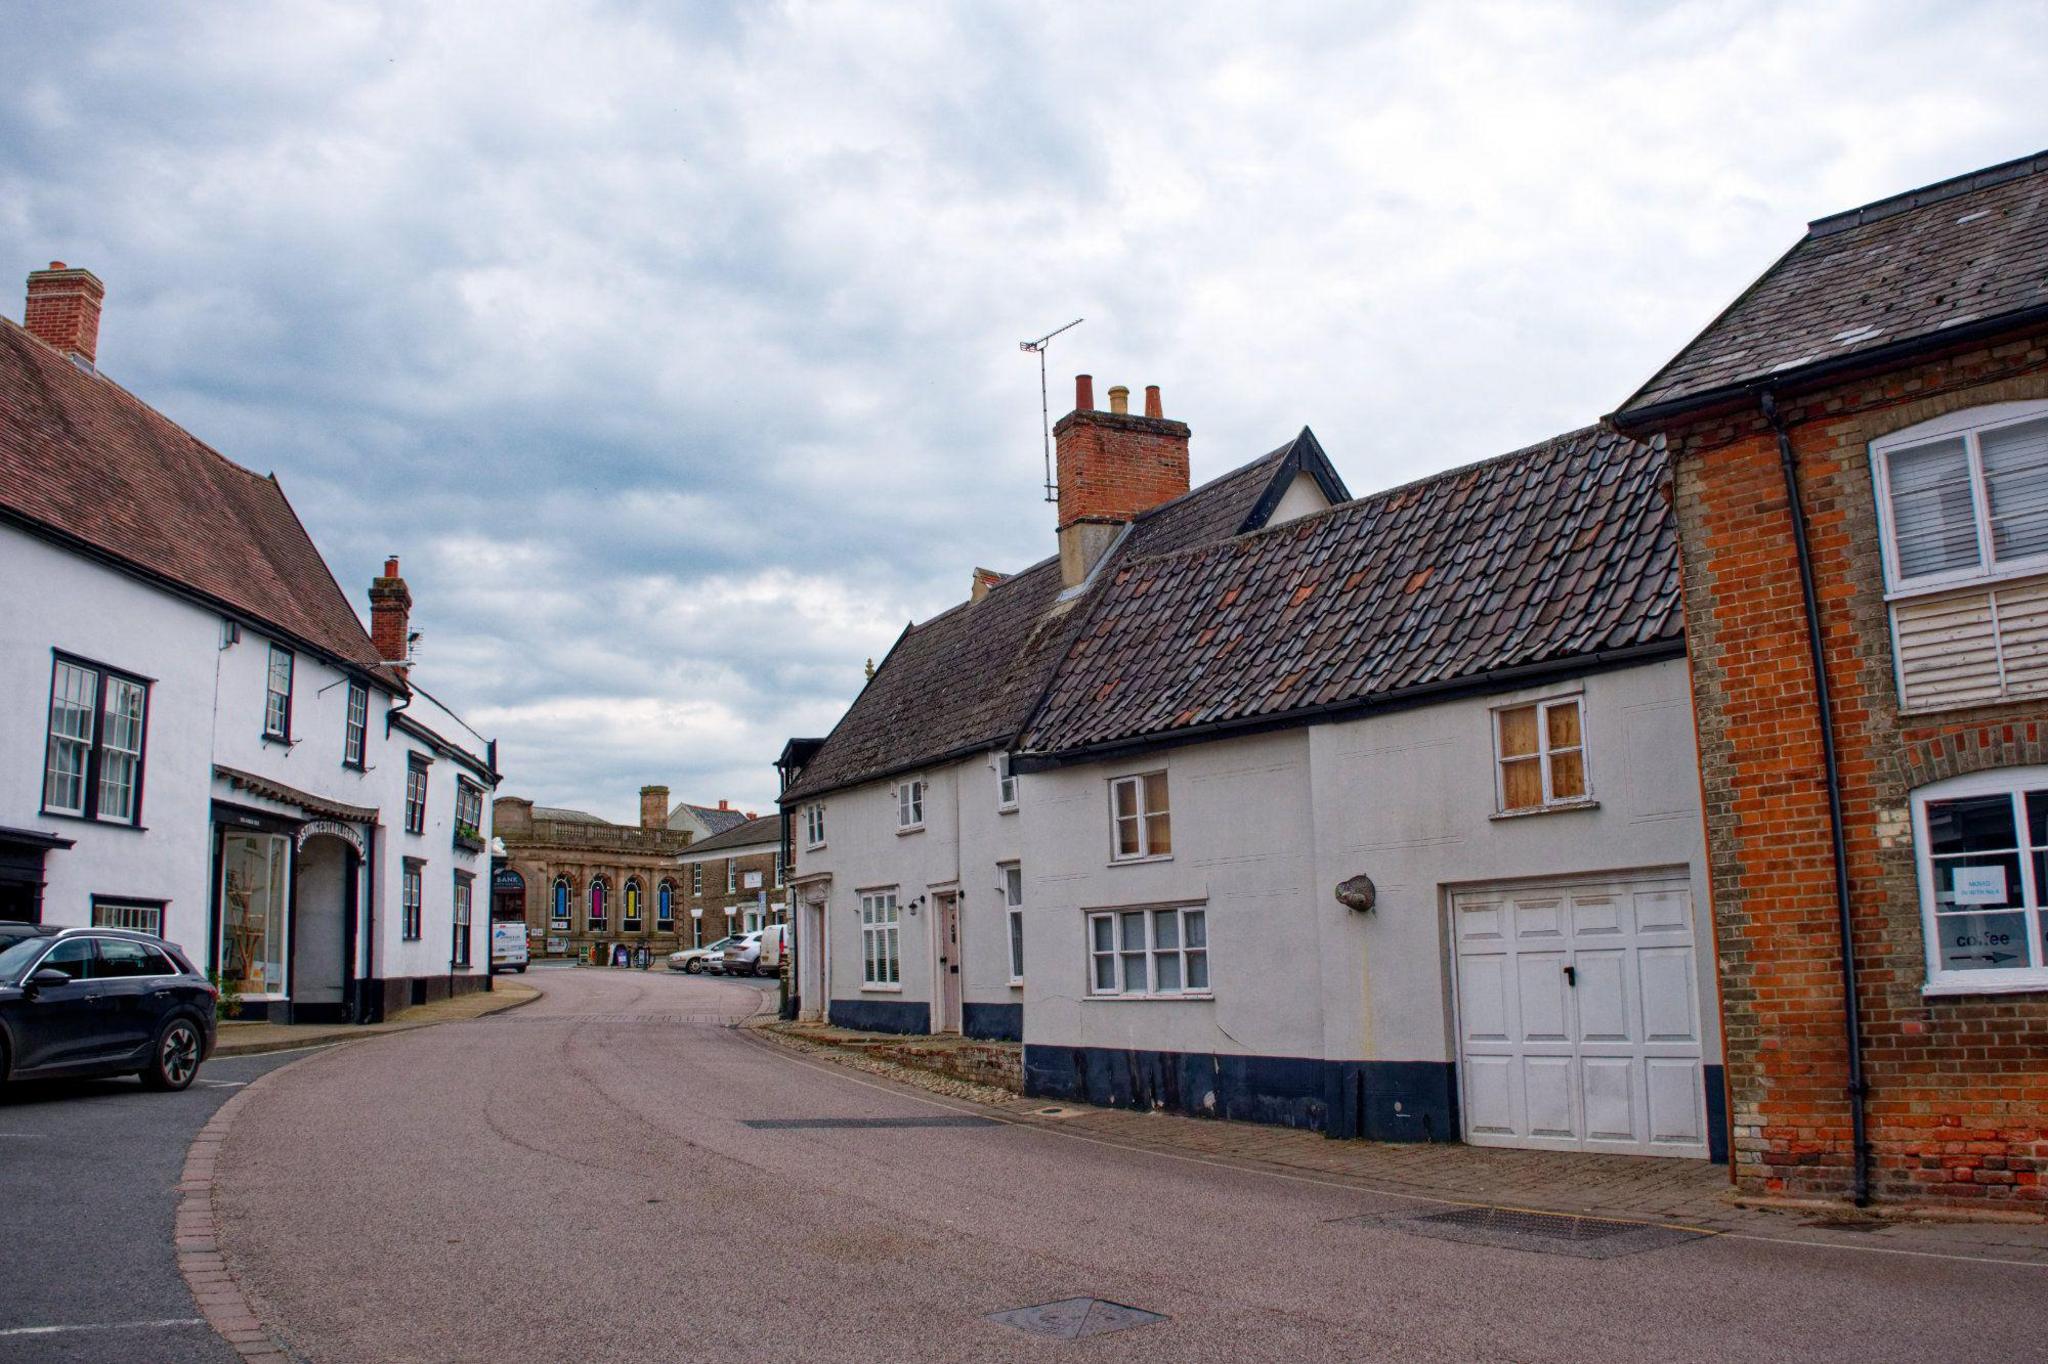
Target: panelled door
1579,1017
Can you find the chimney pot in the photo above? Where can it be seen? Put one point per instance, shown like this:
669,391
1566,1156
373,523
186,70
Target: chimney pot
723,806
1152,407
391,566
63,310
1119,399
1084,393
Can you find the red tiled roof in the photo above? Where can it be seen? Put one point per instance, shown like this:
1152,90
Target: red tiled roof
84,458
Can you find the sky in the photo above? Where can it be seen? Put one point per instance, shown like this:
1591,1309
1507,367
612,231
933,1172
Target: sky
674,347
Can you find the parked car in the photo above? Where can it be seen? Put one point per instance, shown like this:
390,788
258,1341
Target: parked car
78,1002
745,951
508,945
696,960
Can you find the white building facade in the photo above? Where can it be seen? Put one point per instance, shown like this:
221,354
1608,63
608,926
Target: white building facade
199,738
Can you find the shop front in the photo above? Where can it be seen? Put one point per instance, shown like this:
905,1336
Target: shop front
290,885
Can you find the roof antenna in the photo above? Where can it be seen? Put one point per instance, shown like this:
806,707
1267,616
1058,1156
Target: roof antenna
1052,489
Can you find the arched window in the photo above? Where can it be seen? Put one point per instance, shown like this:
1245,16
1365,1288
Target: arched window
665,907
561,907
597,905
629,916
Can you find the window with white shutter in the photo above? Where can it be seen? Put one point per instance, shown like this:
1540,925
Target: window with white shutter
1963,503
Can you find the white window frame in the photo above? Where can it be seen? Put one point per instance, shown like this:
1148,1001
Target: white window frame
1006,784
2014,781
1010,886
1120,953
696,878
1551,801
412,877
137,916
99,754
1144,816
355,726
277,705
910,806
881,941
732,876
814,825
1969,426
469,806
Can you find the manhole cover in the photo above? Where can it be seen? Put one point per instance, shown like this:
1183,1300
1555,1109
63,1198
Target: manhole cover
1072,1318
1546,1233
955,1120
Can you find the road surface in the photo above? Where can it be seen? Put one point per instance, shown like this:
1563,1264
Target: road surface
578,1180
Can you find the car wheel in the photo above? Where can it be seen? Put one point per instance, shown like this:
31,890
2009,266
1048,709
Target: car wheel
694,968
521,968
174,1061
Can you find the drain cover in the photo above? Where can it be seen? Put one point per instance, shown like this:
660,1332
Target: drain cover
957,1120
1546,1233
1072,1318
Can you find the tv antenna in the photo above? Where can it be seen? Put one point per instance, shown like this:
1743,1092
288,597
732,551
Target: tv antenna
1052,490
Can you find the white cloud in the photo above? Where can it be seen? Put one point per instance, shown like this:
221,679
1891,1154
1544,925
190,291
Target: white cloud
676,349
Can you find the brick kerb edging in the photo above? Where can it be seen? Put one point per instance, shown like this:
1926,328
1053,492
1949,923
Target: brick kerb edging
221,1299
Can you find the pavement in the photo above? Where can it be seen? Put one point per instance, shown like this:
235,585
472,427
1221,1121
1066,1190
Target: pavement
88,1176
616,1172
254,1038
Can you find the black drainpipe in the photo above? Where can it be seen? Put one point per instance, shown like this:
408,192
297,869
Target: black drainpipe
1852,1015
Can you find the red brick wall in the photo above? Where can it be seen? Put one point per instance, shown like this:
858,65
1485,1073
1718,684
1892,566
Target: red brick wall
63,310
1958,1109
1111,466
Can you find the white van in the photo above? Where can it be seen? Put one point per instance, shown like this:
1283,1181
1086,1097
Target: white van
508,945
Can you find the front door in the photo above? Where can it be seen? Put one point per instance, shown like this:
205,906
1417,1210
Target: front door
1579,1017
947,997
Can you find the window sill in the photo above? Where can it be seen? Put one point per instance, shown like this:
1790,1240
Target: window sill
814,847
1017,983
1556,808
1139,861
2029,982
881,989
280,741
95,821
903,830
468,845
1206,997
1009,809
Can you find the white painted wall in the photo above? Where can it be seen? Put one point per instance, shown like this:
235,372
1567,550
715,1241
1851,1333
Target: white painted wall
964,839
1265,827
50,600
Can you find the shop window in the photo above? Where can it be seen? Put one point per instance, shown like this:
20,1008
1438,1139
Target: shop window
255,887
1981,843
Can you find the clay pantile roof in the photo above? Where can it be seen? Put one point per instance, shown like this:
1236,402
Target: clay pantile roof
969,678
85,461
747,833
1562,551
1960,258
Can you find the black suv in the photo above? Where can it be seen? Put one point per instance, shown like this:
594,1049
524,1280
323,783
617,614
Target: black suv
101,1001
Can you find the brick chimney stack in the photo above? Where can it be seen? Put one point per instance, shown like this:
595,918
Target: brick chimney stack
391,618
654,807
63,310
1111,466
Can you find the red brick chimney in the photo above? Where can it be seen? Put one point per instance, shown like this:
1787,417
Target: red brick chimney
1111,466
654,807
63,310
391,617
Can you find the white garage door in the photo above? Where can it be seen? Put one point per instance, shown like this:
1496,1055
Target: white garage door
1579,1017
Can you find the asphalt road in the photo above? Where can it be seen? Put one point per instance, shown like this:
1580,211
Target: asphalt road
577,1180
88,1178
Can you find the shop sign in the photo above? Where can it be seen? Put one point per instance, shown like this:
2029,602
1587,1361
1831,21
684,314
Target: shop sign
1980,885
506,879
347,833
751,881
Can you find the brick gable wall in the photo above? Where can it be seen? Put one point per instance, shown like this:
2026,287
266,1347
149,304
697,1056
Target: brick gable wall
1958,1108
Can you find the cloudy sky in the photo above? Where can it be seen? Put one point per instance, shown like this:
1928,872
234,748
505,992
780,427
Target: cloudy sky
675,346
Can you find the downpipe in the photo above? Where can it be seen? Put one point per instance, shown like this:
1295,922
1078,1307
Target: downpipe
1852,1013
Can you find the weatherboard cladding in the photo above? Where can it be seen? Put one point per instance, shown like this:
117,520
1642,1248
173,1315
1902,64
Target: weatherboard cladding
87,460
1964,252
1561,551
970,677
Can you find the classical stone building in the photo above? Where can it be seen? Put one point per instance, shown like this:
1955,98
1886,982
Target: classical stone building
590,888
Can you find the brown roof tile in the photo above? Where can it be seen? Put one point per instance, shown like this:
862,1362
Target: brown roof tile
83,458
